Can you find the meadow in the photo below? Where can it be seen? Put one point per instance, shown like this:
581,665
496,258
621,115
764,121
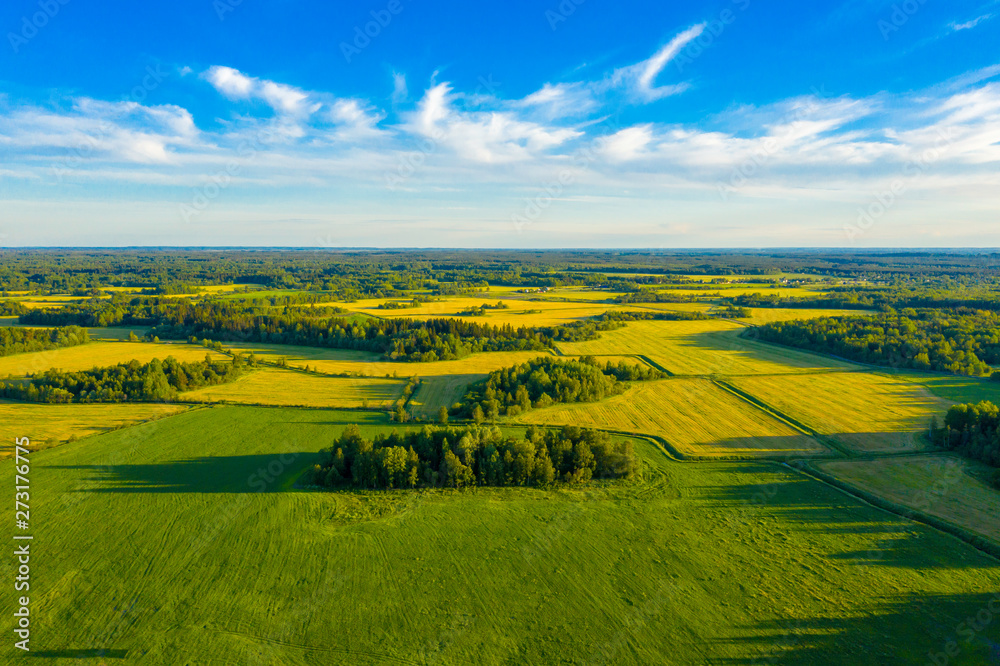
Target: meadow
273,386
702,348
156,536
51,425
694,416
942,485
863,411
100,354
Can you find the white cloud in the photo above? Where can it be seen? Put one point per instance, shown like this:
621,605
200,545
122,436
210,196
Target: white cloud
640,78
968,25
282,98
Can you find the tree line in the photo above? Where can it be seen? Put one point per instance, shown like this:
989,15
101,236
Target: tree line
156,381
20,340
972,430
960,342
436,457
546,381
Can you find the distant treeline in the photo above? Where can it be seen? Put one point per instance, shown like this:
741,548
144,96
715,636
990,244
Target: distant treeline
545,381
156,381
947,341
650,296
972,430
459,458
20,340
853,298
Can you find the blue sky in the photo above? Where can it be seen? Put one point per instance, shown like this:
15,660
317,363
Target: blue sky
737,123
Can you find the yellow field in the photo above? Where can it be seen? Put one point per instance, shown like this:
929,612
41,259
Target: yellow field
768,315
694,415
864,411
701,348
520,312
292,388
49,425
942,485
100,354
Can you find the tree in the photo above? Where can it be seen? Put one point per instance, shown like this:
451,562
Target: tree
477,414
443,416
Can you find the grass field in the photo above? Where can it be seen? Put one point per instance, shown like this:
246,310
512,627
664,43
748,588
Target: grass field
693,415
100,354
955,388
701,348
942,485
50,425
272,386
155,539
865,412
768,315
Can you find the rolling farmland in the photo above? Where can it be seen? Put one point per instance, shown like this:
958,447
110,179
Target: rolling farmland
863,411
943,485
273,386
614,572
693,415
100,354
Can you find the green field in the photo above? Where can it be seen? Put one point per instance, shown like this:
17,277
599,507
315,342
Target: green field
945,486
863,411
184,541
695,416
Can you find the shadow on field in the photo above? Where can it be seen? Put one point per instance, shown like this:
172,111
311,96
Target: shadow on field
892,541
79,654
926,629
218,474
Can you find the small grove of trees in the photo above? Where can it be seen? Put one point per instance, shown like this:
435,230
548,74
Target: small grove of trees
447,457
480,311
156,381
20,340
961,342
972,430
545,381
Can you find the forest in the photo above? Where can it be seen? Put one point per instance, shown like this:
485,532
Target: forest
963,342
156,381
474,456
546,381
972,430
20,340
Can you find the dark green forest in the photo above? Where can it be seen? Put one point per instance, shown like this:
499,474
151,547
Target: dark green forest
435,457
974,431
546,381
962,342
20,340
156,381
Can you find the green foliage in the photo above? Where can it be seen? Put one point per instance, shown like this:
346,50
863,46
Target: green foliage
545,381
964,343
973,430
21,340
476,456
156,381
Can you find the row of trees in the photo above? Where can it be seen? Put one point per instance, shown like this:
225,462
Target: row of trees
545,381
961,342
473,456
156,381
20,340
972,430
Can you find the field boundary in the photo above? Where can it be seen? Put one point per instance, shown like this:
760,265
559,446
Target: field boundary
781,416
977,541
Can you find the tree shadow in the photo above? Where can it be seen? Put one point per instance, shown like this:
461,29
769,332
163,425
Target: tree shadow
926,629
217,474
